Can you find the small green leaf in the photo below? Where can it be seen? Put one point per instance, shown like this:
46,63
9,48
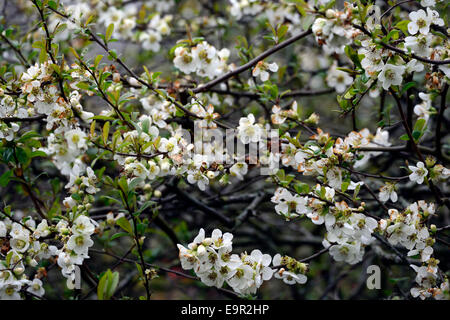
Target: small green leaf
109,32
125,224
4,179
105,132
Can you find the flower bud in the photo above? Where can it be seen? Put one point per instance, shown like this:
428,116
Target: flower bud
430,161
210,175
116,77
110,218
330,14
157,193
134,82
207,241
313,119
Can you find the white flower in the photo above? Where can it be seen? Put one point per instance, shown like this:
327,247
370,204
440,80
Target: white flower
185,60
388,192
391,75
11,291
290,277
414,66
261,70
426,254
419,44
150,40
35,287
239,169
197,177
76,140
423,110
83,225
169,145
372,61
346,252
80,243
187,258
427,3
419,172
42,229
20,243
334,177
399,233
220,240
420,21
434,17
291,206
338,79
248,130
373,17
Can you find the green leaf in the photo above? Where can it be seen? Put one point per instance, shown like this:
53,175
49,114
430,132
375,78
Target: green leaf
119,235
416,135
301,188
74,52
106,132
404,137
38,153
107,285
420,125
345,186
353,55
125,224
22,155
407,86
109,32
403,26
97,60
113,281
4,179
281,32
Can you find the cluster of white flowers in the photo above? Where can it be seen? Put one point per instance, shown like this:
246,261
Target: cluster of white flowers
77,241
157,29
40,97
203,59
409,229
213,262
125,19
26,247
277,13
421,21
436,172
348,230
154,145
241,8
320,155
23,249
335,31
427,278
